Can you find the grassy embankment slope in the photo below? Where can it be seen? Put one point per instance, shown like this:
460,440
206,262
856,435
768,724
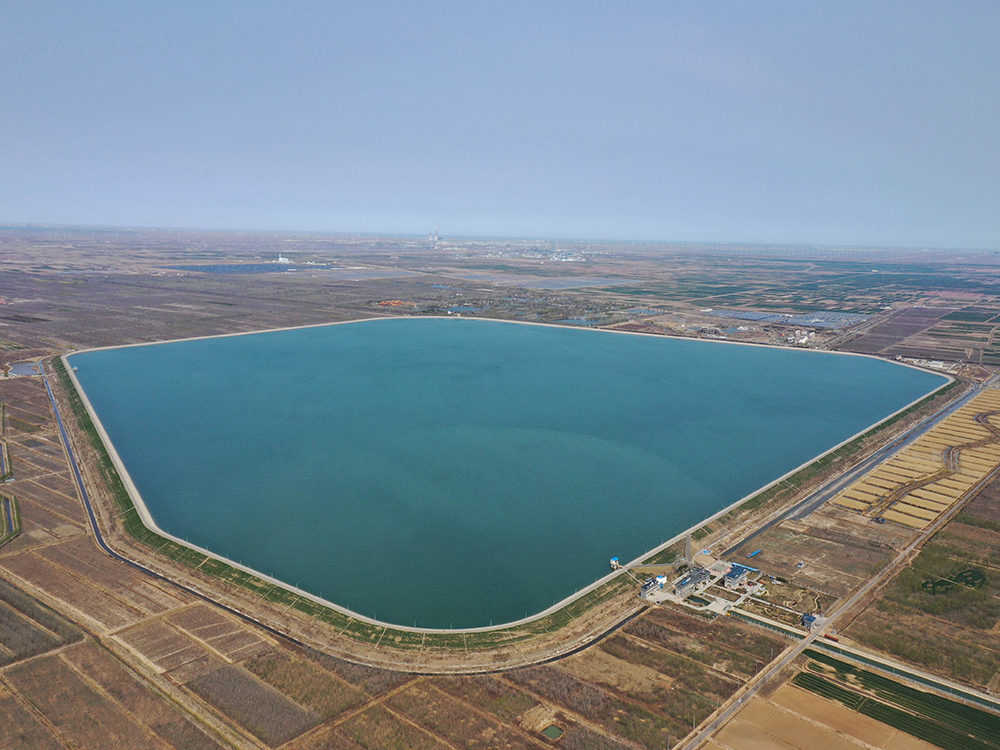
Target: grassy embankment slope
258,587
373,633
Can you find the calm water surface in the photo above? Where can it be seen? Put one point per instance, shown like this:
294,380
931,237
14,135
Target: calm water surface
454,472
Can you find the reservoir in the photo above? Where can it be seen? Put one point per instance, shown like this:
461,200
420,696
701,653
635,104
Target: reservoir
457,472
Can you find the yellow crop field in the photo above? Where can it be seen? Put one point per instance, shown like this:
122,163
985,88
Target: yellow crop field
935,471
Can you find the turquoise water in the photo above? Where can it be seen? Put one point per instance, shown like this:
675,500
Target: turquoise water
457,472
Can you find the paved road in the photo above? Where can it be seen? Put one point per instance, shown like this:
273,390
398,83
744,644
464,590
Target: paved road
773,669
78,477
820,497
803,508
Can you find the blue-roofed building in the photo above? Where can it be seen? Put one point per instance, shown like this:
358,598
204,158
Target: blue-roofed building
810,622
736,577
694,578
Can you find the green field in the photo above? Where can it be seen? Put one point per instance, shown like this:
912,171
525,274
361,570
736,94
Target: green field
8,506
946,723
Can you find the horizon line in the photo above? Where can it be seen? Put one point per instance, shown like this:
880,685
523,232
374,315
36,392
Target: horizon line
735,244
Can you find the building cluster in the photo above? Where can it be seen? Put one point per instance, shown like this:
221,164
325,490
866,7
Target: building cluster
699,575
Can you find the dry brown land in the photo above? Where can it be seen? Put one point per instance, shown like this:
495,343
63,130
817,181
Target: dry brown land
94,288
838,551
153,666
795,718
954,630
156,667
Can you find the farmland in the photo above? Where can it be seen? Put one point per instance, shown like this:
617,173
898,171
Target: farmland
949,629
28,628
794,718
192,676
926,478
831,703
153,665
946,723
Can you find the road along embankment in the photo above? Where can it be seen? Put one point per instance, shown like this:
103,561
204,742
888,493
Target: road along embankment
308,620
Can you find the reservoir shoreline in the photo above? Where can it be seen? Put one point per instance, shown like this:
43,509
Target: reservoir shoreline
147,519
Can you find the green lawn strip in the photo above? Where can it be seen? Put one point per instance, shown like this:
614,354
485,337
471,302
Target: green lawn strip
184,555
213,567
485,641
699,534
499,638
364,631
331,617
257,586
577,607
403,639
15,513
457,641
283,597
666,556
309,607
239,577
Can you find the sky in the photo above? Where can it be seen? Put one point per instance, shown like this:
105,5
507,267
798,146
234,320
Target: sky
852,123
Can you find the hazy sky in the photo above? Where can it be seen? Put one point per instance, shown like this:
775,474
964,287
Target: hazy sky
854,123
